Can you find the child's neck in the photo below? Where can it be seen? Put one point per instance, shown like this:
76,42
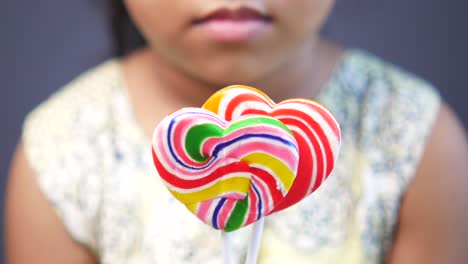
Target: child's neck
305,75
156,89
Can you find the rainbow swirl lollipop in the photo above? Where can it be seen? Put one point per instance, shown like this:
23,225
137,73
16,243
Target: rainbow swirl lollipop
228,173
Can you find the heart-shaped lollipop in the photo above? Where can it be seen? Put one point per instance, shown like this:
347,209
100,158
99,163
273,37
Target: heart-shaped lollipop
314,127
229,174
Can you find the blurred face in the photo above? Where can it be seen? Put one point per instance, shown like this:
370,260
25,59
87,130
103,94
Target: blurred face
228,41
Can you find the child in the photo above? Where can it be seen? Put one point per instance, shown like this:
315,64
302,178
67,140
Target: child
83,188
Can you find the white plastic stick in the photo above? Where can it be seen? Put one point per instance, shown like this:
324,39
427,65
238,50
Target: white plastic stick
254,245
227,247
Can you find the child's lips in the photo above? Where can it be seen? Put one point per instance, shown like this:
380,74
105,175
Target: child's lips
238,25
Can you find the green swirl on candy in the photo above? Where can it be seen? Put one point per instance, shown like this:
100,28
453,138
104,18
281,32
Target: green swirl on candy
198,134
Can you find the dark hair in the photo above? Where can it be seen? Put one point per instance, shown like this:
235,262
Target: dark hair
125,36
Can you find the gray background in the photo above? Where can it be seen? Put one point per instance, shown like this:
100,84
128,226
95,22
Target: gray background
45,43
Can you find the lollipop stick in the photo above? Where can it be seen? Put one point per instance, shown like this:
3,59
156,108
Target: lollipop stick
254,246
227,245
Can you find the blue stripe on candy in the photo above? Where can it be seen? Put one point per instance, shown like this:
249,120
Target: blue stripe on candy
259,201
169,141
220,147
214,220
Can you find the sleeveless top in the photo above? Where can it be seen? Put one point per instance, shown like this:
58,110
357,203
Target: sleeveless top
93,163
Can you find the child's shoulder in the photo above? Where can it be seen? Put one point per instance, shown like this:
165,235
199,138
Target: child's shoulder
89,90
65,143
384,109
373,87
366,67
74,111
89,87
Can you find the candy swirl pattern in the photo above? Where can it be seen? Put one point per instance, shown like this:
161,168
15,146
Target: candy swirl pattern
314,127
227,173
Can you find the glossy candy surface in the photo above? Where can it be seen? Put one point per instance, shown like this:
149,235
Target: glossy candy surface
229,174
242,157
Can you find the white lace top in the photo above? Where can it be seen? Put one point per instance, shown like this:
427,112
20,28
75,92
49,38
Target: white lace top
93,162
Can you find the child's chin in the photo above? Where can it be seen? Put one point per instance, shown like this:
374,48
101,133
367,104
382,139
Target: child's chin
230,78
233,74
